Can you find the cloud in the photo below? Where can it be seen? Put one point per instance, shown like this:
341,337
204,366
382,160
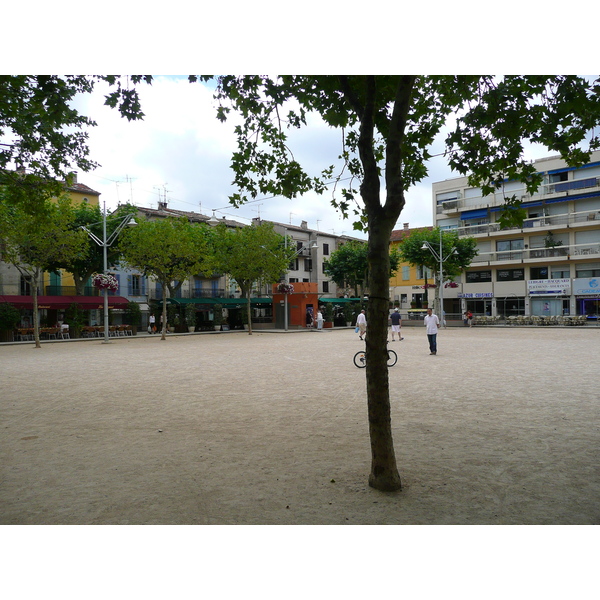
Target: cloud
181,152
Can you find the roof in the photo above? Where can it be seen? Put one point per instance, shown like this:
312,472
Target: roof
164,211
399,234
82,189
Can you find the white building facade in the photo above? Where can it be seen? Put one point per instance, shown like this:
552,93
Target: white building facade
549,267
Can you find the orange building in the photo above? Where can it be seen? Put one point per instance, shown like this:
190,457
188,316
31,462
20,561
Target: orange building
303,299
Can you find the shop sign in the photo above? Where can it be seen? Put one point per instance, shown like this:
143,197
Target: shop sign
555,287
479,295
586,286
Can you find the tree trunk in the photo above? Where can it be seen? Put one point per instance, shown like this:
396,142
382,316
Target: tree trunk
384,472
36,314
249,309
164,314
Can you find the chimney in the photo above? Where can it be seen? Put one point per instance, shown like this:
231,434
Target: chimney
405,226
162,205
304,225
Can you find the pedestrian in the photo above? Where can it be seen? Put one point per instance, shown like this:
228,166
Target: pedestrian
396,324
470,318
151,323
319,320
465,319
432,323
361,323
309,318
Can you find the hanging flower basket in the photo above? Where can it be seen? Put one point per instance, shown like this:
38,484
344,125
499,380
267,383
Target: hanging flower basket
451,284
429,285
285,288
105,282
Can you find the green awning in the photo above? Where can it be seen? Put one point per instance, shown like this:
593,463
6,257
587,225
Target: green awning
232,302
340,300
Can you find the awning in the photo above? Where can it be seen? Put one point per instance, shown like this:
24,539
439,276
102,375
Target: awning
340,300
474,214
222,301
63,302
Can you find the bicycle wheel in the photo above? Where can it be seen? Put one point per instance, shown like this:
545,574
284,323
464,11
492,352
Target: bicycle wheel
360,359
392,358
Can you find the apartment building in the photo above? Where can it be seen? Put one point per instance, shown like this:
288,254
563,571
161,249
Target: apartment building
550,266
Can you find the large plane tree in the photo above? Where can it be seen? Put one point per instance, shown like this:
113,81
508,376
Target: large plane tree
388,125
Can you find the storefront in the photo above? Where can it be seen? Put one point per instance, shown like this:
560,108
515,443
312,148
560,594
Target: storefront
587,296
549,297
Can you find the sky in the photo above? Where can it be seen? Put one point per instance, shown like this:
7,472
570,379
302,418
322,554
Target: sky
180,153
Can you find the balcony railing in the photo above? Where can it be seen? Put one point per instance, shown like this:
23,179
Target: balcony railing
526,254
547,190
585,217
70,290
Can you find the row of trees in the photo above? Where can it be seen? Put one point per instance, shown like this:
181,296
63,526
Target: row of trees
388,125
169,250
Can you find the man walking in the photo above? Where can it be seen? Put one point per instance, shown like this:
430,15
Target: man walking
396,320
361,323
432,323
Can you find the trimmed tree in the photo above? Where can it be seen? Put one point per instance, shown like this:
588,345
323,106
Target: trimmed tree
170,250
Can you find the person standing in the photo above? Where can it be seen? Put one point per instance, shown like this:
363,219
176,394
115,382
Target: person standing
361,323
152,324
432,323
396,320
470,318
319,320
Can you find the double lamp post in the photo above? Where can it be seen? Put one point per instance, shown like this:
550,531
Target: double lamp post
105,243
439,256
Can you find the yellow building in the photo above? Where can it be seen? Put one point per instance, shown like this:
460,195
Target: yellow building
406,286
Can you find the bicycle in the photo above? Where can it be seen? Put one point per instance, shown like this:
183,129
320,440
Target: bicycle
360,359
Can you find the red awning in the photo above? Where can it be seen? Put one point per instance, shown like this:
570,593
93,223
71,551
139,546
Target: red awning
62,302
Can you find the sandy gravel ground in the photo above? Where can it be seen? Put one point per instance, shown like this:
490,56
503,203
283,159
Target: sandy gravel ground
501,427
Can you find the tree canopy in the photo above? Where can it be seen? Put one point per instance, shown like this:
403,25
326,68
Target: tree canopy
388,125
349,265
456,253
255,254
171,250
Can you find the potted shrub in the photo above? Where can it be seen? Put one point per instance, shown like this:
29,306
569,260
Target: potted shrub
218,316
75,317
190,317
328,315
133,316
9,319
348,313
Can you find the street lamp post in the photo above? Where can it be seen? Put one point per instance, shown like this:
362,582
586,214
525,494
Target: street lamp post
441,259
105,243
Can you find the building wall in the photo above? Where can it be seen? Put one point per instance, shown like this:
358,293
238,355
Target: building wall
517,271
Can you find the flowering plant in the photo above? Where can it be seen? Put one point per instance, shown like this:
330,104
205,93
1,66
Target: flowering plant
105,282
451,284
285,288
429,285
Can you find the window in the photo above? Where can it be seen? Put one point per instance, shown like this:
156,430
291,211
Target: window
136,285
308,264
538,273
510,275
325,287
293,264
558,177
326,249
478,276
405,272
561,272
403,298
509,249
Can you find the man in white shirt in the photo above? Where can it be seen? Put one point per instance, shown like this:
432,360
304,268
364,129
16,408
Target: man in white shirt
361,323
432,323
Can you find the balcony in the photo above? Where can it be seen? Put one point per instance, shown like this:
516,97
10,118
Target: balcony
557,254
69,290
547,191
580,219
